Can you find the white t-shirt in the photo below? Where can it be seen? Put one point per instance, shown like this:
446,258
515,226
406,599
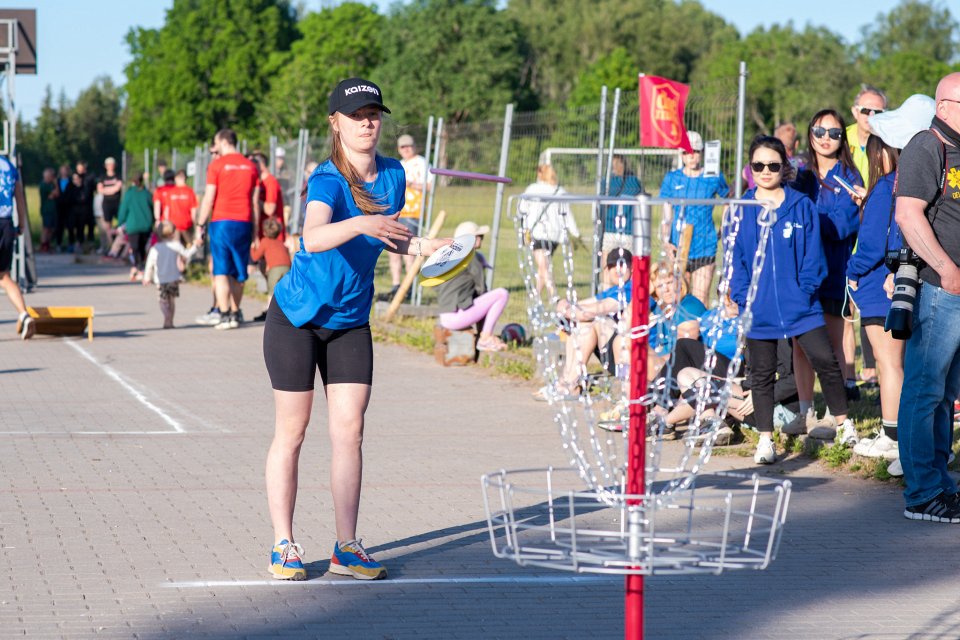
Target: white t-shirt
416,170
162,266
547,220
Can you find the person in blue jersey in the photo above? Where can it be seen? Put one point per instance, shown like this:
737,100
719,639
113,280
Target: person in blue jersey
839,214
870,283
787,303
319,319
617,224
690,182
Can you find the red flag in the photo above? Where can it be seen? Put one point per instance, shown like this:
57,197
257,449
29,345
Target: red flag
662,103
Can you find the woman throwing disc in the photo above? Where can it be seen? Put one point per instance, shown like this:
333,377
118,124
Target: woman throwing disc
319,319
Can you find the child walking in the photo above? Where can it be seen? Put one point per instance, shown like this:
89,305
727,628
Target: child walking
165,263
274,254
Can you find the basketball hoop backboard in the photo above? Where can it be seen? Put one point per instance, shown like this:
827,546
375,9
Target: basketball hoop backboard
25,38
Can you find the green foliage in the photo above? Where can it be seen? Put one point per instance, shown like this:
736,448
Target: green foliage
614,70
566,37
915,26
835,456
792,74
333,44
203,70
88,129
459,59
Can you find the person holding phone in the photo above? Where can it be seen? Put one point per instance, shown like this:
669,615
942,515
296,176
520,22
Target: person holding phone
839,220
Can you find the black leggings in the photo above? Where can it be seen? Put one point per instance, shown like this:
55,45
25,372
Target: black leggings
138,248
763,372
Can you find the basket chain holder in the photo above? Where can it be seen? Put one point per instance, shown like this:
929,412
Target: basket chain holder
632,502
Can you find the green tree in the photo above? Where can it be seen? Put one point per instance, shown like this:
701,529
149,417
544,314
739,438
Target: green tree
614,70
792,74
334,44
459,59
914,26
904,73
566,37
206,68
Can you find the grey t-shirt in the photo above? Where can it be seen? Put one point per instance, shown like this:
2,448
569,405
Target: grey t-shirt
918,176
459,292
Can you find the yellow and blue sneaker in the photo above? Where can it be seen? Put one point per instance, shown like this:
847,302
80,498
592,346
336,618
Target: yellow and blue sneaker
286,561
351,559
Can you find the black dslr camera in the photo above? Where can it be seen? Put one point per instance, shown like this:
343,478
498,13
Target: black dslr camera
905,264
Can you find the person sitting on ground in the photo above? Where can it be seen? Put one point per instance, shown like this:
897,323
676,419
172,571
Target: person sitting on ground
597,319
672,305
165,264
274,253
464,300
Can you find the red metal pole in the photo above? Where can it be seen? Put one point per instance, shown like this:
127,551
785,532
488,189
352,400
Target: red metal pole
636,437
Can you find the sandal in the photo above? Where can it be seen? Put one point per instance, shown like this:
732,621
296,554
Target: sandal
491,343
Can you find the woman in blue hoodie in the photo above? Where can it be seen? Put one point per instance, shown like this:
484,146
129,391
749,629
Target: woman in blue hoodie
787,304
319,319
869,282
839,214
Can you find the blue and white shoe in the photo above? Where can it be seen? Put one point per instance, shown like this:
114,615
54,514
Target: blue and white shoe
286,561
351,559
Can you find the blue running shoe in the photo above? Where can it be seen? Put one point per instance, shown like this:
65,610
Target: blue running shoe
350,559
286,561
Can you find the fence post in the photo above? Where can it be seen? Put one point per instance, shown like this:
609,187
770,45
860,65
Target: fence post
597,248
498,205
599,224
427,193
741,109
296,218
272,158
436,161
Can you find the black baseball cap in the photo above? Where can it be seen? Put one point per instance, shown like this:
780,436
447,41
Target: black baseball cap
615,255
355,93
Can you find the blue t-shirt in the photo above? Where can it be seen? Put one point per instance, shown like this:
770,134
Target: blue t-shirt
334,288
661,338
677,184
8,180
613,293
719,332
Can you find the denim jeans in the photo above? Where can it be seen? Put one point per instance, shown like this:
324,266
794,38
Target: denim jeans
931,383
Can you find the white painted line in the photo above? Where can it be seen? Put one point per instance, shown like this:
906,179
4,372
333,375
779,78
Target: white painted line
110,371
518,580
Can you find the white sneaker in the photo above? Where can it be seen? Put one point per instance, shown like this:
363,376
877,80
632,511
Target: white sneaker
848,434
766,452
226,322
895,469
27,327
209,319
881,446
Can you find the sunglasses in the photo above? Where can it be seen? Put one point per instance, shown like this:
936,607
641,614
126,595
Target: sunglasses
773,166
833,132
867,111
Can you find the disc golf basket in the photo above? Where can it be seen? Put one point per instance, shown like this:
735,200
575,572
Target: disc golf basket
630,503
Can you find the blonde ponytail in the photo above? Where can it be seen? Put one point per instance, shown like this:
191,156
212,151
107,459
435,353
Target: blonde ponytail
363,199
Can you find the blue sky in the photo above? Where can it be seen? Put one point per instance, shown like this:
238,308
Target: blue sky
79,41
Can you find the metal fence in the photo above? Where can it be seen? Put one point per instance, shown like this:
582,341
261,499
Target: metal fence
579,143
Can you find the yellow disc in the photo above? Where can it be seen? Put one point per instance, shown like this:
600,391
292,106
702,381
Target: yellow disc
432,282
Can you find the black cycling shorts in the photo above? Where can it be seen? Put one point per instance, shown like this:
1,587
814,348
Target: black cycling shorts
294,354
873,321
8,237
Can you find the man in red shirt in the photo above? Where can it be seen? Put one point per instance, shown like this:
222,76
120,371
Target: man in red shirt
182,208
160,202
271,197
232,198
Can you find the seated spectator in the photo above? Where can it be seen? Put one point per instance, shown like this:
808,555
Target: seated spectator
673,304
464,300
273,252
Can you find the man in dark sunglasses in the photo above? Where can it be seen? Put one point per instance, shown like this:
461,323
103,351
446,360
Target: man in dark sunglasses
869,101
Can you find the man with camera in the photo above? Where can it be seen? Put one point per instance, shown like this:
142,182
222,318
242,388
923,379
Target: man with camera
928,212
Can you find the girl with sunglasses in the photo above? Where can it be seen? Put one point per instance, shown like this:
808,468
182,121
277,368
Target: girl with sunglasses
838,211
869,281
787,304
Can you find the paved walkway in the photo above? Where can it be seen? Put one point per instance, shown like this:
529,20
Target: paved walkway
132,505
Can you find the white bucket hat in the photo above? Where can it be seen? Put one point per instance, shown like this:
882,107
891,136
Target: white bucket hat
896,127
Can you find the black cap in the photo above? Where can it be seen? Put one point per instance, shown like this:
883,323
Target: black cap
355,93
615,255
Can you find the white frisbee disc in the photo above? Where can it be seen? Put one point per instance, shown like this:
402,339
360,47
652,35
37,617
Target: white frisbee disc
448,258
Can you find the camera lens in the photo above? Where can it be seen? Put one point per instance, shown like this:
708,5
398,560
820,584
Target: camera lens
899,320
